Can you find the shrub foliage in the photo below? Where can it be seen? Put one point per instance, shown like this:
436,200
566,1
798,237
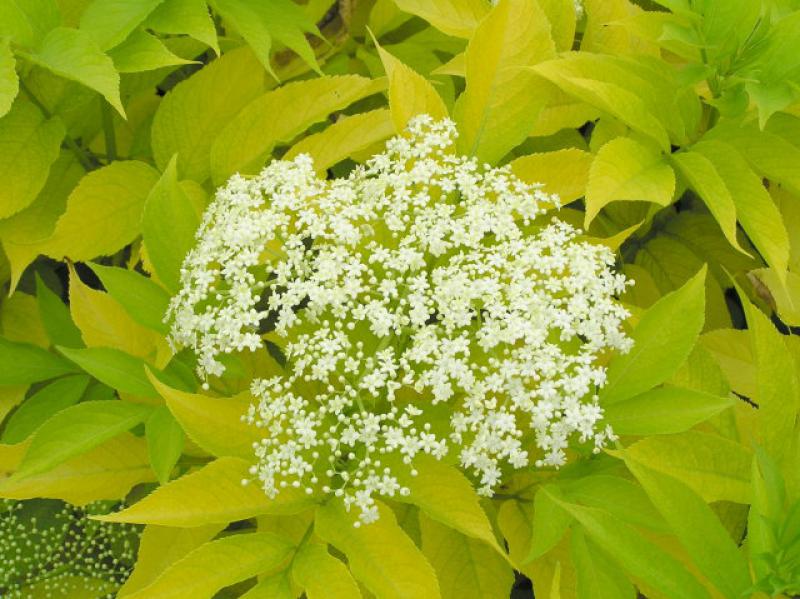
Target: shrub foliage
670,130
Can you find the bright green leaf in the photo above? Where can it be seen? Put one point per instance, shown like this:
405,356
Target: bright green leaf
259,22
142,298
143,52
640,557
113,367
550,523
189,17
755,209
164,442
698,529
664,410
51,399
109,22
75,55
701,175
56,317
26,22
77,429
662,341
23,363
601,82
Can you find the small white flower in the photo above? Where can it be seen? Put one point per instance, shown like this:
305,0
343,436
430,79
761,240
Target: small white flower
423,309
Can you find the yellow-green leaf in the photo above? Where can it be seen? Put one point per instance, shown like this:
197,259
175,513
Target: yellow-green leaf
380,554
104,322
246,143
162,546
562,17
563,172
9,82
191,116
704,178
73,54
777,391
217,564
465,568
446,495
591,79
169,223
346,137
259,22
755,209
410,93
453,17
501,101
109,203
276,586
215,424
22,234
105,472
626,170
214,494
598,576
714,467
29,144
322,575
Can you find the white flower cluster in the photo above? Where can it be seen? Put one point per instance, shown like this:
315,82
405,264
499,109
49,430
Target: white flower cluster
421,310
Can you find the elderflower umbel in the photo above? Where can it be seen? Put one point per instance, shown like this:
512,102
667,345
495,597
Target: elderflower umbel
420,308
